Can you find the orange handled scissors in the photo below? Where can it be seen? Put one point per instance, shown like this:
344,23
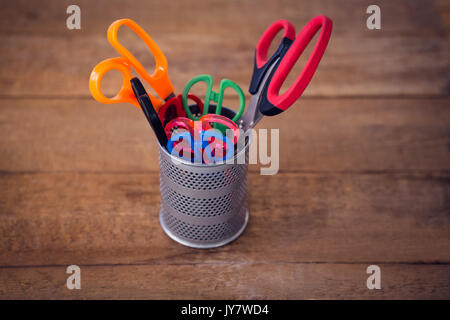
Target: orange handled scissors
158,80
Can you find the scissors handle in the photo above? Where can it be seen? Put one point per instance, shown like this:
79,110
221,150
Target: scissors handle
159,79
173,108
262,62
182,143
180,123
150,113
204,123
224,121
201,78
271,102
213,96
125,93
199,134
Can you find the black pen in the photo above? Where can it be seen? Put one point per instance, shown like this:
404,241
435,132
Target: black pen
150,113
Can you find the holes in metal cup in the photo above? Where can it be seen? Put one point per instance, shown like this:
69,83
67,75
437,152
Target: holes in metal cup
203,181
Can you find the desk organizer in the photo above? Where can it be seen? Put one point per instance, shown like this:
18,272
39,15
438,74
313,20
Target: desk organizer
203,205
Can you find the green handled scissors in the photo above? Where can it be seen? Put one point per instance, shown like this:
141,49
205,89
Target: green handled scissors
213,96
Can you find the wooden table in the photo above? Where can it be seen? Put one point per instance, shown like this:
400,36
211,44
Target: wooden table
364,156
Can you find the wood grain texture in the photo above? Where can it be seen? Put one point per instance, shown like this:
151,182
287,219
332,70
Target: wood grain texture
39,56
70,218
364,156
443,7
228,281
316,135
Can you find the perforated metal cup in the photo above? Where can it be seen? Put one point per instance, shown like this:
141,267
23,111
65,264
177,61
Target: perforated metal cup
203,205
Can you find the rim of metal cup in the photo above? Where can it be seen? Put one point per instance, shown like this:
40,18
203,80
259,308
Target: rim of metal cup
225,162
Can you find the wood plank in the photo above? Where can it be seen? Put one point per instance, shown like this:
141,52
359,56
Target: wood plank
95,218
316,135
228,281
443,7
39,56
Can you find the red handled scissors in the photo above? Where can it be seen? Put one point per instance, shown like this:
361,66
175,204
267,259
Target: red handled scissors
201,135
173,108
270,73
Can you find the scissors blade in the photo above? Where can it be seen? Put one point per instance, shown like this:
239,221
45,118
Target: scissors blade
252,116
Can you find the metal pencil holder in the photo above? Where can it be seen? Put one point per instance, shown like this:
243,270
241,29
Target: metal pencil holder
203,205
